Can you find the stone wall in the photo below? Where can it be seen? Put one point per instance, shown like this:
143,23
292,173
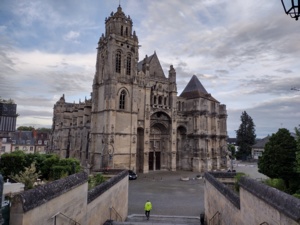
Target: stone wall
218,198
68,199
256,203
114,200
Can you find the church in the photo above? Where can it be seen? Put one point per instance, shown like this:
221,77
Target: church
135,118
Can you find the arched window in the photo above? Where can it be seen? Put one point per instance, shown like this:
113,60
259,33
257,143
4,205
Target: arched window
118,62
122,100
154,100
126,31
121,30
128,66
165,101
182,106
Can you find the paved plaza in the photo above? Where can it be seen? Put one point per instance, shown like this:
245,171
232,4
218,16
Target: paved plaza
168,193
172,196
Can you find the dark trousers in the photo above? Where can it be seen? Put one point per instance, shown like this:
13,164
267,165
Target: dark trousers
147,213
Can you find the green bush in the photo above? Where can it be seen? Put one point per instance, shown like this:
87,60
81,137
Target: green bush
276,183
59,172
12,163
95,180
49,162
237,179
296,195
48,166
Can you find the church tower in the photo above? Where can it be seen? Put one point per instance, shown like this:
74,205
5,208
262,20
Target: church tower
114,108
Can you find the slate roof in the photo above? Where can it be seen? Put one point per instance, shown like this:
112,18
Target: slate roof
262,142
195,89
21,138
155,68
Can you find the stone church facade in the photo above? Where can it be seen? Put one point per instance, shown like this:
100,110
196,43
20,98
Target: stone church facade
134,118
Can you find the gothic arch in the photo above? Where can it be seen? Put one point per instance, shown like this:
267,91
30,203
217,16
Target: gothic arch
123,99
160,145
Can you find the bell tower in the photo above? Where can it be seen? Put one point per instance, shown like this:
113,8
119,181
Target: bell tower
117,54
113,95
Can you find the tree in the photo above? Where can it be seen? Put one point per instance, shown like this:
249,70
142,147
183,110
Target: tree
25,128
231,149
297,166
279,157
44,129
245,136
12,163
27,177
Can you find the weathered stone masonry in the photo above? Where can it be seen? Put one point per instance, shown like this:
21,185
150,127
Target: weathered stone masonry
134,118
68,199
256,203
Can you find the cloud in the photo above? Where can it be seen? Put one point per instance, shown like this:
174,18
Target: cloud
284,71
287,115
71,36
245,56
222,71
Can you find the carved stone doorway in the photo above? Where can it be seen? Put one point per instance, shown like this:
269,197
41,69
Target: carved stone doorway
159,152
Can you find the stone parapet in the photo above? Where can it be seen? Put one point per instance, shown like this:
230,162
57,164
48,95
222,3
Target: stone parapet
33,198
100,189
284,203
228,193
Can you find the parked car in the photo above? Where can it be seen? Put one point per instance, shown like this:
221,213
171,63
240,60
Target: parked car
132,175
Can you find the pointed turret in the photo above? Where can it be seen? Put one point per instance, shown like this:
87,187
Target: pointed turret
194,89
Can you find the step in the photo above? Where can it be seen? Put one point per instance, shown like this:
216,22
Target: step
140,219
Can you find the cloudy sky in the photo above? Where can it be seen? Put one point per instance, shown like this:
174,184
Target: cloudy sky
245,53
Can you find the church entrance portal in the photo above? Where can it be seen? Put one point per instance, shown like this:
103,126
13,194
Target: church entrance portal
159,157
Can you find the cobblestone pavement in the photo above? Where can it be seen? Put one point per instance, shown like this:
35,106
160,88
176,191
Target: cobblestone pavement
168,193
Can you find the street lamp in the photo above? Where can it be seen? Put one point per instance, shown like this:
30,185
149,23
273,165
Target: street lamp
291,7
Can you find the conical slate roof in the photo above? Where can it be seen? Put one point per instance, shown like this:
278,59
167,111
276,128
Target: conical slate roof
195,89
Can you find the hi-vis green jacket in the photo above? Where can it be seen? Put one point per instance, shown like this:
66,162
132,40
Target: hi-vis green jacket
148,206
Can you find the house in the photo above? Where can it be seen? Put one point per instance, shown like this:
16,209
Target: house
259,147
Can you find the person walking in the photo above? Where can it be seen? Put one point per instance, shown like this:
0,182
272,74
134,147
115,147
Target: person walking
148,207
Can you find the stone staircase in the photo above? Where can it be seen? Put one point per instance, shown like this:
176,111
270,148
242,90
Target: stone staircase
140,219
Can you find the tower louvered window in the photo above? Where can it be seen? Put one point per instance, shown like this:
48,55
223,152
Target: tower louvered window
122,100
118,62
128,67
